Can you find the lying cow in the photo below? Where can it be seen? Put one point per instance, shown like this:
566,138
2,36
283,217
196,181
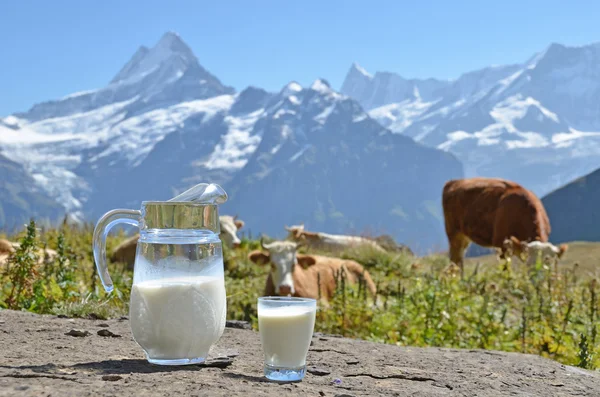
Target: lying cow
329,242
299,275
531,252
7,248
388,243
488,211
125,252
229,225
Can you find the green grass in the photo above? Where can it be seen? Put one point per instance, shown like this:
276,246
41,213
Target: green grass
546,310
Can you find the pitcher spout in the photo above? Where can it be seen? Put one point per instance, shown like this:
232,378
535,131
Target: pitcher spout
203,193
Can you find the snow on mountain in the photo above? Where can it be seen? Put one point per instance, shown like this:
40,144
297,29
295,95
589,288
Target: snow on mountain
164,123
537,122
386,88
56,150
21,198
61,143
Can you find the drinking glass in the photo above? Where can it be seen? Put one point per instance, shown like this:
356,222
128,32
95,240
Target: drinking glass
286,327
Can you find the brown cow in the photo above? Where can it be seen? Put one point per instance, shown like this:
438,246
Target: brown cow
487,211
300,275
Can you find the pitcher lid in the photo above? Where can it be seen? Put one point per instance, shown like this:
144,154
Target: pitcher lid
179,215
196,208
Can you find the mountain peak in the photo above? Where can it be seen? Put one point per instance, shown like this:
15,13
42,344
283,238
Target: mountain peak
321,85
291,88
170,48
171,37
171,42
356,68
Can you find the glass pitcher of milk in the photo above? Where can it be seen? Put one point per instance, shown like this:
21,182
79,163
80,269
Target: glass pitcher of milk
178,306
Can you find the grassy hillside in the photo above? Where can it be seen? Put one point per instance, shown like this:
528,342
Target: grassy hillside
421,301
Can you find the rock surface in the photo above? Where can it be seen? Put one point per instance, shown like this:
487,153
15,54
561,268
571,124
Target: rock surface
38,359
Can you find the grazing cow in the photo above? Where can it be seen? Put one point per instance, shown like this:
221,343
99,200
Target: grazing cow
294,274
329,242
530,252
229,225
487,211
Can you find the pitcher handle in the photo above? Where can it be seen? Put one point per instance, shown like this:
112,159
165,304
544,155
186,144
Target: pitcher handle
108,220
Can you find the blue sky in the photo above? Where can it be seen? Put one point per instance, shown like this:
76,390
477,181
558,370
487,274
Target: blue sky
53,48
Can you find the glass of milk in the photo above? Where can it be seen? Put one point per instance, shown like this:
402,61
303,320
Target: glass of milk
286,327
178,303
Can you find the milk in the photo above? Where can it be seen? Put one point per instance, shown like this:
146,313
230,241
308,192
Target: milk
178,318
285,333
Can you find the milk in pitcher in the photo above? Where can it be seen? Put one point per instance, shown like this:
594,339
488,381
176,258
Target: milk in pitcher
178,318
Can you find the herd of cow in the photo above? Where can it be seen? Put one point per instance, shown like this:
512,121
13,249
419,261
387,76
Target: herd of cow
490,212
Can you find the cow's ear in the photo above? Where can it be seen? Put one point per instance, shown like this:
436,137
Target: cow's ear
562,249
259,257
306,260
239,224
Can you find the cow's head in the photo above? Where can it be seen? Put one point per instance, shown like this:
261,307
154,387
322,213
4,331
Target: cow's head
295,232
514,247
229,227
281,255
530,251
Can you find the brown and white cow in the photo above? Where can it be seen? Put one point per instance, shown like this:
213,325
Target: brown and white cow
7,248
531,252
229,228
294,274
329,242
487,211
229,225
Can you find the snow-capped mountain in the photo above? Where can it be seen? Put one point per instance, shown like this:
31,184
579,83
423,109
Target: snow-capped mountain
164,123
537,123
93,135
324,162
21,199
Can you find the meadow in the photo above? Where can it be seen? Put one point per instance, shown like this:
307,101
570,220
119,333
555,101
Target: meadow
549,309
